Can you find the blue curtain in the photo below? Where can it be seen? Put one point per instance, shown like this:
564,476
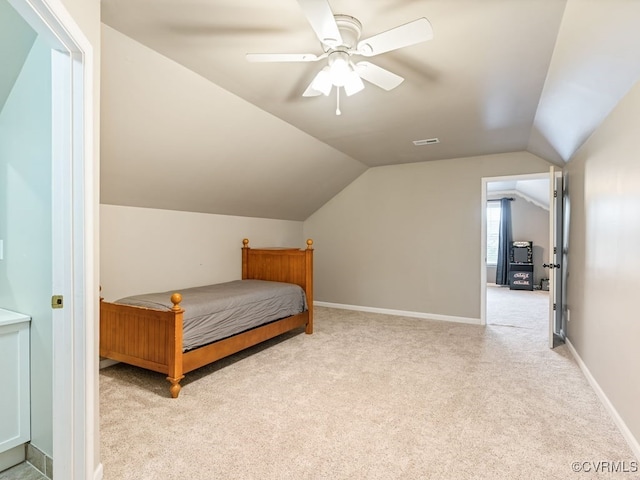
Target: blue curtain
505,239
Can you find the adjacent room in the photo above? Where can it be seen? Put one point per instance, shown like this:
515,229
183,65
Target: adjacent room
418,221
517,247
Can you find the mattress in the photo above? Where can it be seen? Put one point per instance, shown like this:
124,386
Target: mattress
214,312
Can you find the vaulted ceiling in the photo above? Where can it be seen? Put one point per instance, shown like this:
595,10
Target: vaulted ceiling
189,124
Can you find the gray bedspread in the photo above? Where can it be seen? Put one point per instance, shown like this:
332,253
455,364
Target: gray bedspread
217,311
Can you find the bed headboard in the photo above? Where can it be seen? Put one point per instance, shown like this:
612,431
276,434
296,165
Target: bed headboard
289,265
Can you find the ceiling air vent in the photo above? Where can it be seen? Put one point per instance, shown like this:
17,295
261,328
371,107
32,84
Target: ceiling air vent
426,141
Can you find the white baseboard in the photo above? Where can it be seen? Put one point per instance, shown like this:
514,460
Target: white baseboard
622,426
400,313
98,473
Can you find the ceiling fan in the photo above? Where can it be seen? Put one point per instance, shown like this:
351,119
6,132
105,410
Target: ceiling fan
339,36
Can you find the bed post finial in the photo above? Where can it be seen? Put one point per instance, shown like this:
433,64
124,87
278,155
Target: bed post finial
176,298
309,244
245,243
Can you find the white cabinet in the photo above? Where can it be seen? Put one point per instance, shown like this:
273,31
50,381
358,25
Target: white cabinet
15,424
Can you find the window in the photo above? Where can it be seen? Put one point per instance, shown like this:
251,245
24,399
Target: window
493,232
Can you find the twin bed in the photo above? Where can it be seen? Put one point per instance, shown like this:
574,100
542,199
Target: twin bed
176,333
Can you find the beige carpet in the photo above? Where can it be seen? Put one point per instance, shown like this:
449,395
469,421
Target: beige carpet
369,396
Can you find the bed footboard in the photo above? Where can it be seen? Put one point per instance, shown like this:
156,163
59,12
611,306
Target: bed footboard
144,337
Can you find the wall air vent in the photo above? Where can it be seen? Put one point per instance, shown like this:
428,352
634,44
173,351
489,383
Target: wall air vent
426,141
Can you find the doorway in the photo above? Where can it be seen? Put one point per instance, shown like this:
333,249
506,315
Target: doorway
67,410
529,202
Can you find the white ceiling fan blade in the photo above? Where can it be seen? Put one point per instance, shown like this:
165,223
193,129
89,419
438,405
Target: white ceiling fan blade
378,76
320,17
283,57
403,36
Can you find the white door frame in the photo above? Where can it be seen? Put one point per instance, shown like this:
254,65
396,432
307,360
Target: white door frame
483,233
75,438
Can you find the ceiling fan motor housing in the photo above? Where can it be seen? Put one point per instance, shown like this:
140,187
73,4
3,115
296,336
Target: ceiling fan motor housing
350,29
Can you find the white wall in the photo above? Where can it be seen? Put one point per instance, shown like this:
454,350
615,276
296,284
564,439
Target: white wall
407,237
25,225
145,250
604,258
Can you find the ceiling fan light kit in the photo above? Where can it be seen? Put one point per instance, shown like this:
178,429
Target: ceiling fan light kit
339,73
339,68
322,84
353,83
340,39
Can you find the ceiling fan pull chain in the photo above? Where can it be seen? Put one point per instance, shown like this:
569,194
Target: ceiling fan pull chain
338,112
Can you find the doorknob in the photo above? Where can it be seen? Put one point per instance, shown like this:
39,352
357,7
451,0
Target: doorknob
546,265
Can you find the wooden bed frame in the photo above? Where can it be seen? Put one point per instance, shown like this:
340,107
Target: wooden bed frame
152,339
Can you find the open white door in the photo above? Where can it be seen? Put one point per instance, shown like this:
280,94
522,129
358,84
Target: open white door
74,362
555,254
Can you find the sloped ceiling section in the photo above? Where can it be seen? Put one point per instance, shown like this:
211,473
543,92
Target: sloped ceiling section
171,139
16,40
534,191
189,124
475,86
595,63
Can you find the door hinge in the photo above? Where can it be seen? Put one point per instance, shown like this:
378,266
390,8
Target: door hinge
554,307
57,301
555,194
555,250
